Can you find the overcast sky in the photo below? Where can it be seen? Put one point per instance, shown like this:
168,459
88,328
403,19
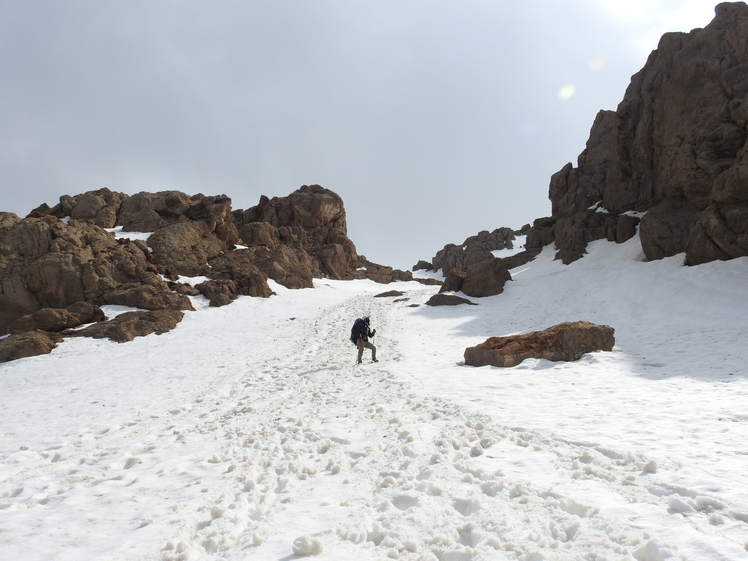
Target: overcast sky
433,119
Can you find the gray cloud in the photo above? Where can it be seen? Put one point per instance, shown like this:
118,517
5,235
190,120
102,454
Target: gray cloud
432,119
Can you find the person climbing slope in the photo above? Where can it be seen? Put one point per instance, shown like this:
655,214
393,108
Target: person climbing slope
360,336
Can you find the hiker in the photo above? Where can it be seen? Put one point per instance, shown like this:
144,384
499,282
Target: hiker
361,333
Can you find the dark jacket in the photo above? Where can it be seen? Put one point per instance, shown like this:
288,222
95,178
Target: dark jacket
361,331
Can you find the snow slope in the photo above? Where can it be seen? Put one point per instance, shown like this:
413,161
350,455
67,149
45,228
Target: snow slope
249,433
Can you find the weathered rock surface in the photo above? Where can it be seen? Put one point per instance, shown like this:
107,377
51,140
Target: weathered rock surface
474,252
562,342
125,327
488,280
31,343
311,219
184,248
675,147
46,263
389,294
147,212
448,300
57,319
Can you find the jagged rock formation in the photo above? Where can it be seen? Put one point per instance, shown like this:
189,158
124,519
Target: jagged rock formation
675,148
563,342
58,264
47,263
474,252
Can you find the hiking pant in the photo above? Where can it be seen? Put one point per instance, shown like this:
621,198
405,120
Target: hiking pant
366,345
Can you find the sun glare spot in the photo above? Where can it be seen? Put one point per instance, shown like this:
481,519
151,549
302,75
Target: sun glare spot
566,92
597,63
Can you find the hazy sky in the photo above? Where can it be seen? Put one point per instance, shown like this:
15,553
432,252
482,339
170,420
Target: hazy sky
432,119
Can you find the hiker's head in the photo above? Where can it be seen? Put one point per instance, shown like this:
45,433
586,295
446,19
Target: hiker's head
366,320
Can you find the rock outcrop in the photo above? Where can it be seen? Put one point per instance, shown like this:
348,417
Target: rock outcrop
47,263
562,342
58,319
474,252
675,148
125,327
26,344
488,280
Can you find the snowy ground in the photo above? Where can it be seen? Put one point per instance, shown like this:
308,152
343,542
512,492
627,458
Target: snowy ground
249,433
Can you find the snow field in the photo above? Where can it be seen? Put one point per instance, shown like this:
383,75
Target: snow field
248,432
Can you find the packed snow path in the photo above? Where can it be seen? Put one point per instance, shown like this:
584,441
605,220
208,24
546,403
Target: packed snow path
273,443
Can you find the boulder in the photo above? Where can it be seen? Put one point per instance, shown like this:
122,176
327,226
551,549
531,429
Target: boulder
666,227
30,343
454,279
475,251
389,294
382,273
147,297
98,207
573,233
125,327
8,219
184,248
563,342
57,319
488,280
239,266
218,292
448,300
423,266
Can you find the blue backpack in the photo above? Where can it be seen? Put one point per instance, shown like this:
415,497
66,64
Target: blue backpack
355,330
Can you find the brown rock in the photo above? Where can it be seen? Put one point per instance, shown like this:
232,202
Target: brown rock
8,219
678,135
185,249
665,228
218,292
389,294
127,326
57,319
147,212
147,298
448,300
475,251
239,266
562,342
489,280
32,343
454,279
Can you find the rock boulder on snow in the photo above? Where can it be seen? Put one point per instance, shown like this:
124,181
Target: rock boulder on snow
57,319
488,280
448,300
127,326
563,342
30,343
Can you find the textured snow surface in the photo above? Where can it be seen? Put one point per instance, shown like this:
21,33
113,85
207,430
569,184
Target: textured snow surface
249,433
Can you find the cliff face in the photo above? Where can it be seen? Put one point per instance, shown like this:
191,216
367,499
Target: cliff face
675,148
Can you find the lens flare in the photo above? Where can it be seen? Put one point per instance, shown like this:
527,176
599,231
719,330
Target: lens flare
597,63
566,92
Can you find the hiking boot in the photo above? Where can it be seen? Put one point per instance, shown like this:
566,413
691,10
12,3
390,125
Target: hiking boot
374,360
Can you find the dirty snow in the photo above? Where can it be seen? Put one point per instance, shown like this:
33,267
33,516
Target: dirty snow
249,433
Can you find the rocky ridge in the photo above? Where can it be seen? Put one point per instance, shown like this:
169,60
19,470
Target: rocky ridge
671,161
59,264
674,150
